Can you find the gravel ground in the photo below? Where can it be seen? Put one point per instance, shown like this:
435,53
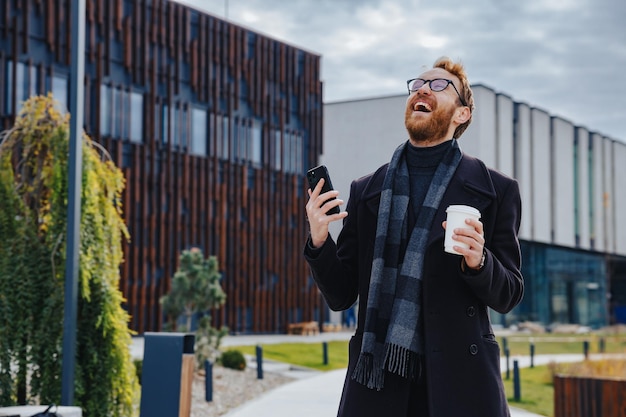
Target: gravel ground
231,389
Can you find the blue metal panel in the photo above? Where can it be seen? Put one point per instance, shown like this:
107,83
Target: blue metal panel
161,373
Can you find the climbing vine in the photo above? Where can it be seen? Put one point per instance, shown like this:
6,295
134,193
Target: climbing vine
33,216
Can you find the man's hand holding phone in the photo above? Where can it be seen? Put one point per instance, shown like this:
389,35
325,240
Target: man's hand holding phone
323,205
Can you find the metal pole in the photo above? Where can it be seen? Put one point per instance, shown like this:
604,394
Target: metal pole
517,387
325,352
259,362
77,96
208,381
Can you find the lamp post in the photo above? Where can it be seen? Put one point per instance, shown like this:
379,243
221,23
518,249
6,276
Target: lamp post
77,79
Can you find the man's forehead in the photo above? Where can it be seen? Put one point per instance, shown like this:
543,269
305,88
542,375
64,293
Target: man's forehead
437,73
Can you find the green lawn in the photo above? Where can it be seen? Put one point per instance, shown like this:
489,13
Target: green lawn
536,392
536,383
310,355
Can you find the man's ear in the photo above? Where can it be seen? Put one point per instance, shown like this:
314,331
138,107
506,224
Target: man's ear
462,114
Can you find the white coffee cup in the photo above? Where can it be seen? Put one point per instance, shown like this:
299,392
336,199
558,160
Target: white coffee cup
456,216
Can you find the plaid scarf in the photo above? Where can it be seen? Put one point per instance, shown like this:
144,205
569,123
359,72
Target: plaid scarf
392,337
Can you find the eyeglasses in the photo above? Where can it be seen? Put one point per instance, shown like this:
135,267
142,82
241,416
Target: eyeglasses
438,84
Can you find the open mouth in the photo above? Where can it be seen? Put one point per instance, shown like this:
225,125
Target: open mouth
422,107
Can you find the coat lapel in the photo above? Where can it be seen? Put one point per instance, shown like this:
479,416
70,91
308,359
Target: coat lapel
471,186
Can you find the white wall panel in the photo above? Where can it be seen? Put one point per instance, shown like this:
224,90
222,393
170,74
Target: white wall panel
360,136
619,193
572,183
541,176
523,167
597,193
563,202
479,138
504,136
583,189
609,195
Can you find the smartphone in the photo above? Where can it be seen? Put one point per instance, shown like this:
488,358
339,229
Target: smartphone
314,175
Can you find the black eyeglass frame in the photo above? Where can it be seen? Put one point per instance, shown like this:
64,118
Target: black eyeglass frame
430,85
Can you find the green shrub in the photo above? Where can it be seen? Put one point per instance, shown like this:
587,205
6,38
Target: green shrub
34,189
233,359
138,368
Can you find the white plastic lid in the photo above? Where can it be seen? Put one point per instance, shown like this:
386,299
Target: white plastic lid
464,209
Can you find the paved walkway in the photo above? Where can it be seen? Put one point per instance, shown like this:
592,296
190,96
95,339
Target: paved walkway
317,394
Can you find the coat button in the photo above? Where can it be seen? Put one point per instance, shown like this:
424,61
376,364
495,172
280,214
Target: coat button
473,349
471,311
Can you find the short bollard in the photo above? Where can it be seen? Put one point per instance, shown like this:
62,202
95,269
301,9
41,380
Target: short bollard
208,381
508,367
325,352
602,346
259,362
532,355
517,389
586,349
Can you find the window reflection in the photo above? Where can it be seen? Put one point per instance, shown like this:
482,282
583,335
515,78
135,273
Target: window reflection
59,91
136,117
198,131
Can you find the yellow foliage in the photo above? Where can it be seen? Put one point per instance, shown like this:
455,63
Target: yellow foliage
605,368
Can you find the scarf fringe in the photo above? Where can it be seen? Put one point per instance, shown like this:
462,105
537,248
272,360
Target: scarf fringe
402,361
369,373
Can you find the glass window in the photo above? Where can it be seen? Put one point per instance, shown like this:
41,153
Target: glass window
299,153
277,150
21,85
225,133
256,151
32,82
9,97
136,117
198,131
217,135
59,91
116,112
287,152
175,122
105,110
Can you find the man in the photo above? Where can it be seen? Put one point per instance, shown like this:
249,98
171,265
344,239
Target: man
424,345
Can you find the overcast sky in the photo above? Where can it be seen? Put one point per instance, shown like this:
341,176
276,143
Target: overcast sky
567,57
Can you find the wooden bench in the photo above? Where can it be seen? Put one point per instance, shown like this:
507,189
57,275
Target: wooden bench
332,327
305,328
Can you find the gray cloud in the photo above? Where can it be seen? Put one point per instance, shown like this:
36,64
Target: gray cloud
564,56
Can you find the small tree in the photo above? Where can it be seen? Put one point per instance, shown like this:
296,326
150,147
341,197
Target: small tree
196,289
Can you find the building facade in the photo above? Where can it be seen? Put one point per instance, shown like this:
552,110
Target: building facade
213,125
572,180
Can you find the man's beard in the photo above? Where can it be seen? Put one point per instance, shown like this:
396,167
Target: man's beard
434,129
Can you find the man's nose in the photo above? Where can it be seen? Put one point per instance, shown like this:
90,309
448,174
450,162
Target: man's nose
425,88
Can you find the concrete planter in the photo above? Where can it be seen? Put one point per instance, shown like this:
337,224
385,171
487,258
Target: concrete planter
29,410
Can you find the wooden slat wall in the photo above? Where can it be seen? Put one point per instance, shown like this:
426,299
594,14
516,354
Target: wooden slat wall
589,397
251,218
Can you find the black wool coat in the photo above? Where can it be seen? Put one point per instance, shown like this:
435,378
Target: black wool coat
462,356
